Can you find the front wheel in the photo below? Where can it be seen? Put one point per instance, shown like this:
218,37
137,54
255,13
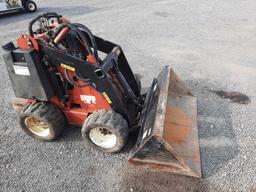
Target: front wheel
30,6
105,130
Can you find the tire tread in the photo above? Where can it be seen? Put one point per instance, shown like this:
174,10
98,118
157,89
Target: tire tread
46,112
109,119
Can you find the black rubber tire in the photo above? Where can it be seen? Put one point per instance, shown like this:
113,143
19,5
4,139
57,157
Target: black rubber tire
47,113
111,121
27,6
137,78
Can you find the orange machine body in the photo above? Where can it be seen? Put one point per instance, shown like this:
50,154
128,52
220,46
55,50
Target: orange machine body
82,100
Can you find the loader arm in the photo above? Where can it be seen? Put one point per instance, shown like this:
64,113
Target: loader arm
124,103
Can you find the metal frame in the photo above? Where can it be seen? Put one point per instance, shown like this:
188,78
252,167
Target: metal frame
125,104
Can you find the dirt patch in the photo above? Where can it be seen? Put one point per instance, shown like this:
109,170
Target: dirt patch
91,170
235,97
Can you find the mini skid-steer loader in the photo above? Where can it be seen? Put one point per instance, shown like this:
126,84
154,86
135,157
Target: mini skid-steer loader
63,74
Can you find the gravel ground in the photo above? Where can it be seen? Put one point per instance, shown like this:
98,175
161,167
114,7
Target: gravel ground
210,44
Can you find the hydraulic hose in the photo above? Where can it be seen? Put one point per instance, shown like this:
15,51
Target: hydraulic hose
72,27
76,27
91,36
75,83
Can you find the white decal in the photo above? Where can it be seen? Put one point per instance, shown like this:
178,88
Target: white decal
89,99
21,70
154,89
144,134
149,131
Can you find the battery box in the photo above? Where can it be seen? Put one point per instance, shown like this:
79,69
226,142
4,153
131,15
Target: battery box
28,75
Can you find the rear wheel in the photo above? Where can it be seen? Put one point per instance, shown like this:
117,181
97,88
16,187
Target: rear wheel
42,121
105,130
30,6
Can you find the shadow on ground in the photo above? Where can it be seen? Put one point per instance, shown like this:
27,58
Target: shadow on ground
71,133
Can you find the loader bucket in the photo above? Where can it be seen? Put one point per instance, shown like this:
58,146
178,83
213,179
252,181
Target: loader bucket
168,138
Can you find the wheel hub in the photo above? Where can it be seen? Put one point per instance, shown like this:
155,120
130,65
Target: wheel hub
102,137
37,126
31,6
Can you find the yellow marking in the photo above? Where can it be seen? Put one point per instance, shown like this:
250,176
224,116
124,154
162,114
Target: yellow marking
65,66
106,97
